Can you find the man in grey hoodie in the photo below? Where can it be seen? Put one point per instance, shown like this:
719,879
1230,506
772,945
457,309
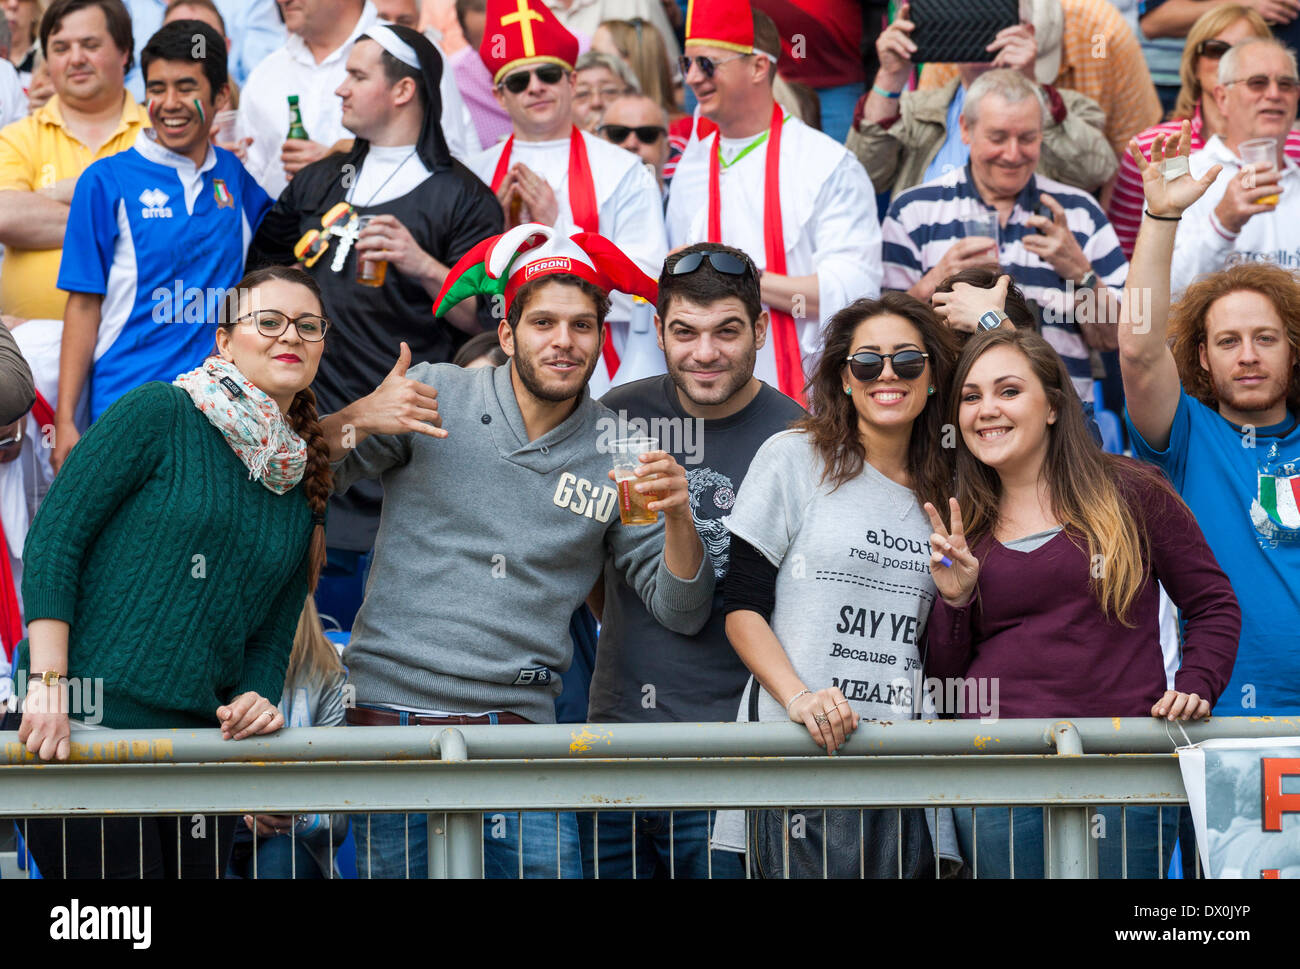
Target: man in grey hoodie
499,511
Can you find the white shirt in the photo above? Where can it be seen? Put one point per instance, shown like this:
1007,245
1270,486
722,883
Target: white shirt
264,108
828,219
627,199
1202,245
13,101
387,172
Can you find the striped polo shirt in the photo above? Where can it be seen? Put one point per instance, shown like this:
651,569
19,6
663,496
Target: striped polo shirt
925,221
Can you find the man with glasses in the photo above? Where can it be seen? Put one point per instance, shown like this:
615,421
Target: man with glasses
1252,211
550,171
712,414
161,231
790,196
639,124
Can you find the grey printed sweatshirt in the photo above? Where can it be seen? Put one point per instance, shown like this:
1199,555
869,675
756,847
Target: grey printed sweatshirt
487,543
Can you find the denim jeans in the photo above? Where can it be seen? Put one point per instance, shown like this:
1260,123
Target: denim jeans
388,843
277,857
664,848
991,839
837,104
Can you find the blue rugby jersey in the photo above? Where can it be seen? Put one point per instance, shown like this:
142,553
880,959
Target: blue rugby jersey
925,221
161,241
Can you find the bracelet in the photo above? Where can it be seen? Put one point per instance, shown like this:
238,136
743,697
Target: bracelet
1162,218
892,95
795,697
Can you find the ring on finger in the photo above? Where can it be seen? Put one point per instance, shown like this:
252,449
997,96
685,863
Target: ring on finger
821,718
269,713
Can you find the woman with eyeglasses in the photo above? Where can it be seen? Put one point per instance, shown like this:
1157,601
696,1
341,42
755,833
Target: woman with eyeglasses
830,584
1207,42
1051,601
166,569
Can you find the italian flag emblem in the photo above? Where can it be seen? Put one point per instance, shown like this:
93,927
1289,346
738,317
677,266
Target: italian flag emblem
1279,498
222,194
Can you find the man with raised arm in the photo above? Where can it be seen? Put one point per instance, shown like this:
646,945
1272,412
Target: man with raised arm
1219,410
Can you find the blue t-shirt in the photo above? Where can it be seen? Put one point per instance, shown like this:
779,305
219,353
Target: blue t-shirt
953,153
1247,501
161,241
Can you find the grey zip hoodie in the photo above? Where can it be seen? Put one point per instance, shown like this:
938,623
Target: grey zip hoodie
487,543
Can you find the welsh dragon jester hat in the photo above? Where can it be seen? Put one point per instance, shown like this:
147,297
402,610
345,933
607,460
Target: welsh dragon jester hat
499,265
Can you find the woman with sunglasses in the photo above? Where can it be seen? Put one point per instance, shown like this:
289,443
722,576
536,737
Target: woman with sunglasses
829,586
168,565
1057,550
1207,42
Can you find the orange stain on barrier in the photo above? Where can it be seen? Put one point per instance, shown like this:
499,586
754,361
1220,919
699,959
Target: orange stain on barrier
110,752
582,741
983,742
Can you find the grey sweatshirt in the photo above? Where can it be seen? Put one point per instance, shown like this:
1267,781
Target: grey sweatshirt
487,543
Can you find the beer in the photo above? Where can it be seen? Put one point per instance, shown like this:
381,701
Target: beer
632,503
296,129
370,272
1261,155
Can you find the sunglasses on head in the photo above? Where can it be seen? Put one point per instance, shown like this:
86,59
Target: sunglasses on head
908,364
707,64
1258,84
647,134
723,262
518,82
1213,49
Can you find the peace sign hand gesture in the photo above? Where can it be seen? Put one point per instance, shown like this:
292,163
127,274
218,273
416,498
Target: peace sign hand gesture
956,580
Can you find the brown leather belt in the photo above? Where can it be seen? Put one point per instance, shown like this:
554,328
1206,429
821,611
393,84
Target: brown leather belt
366,717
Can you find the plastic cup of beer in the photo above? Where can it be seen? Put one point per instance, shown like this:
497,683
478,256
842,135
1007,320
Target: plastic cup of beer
225,130
370,272
982,225
1260,154
632,503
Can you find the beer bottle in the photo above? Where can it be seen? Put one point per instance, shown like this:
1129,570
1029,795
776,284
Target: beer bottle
296,130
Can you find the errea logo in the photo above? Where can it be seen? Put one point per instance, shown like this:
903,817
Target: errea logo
155,204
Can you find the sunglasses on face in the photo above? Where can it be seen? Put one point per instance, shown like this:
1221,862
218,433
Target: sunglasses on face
1213,49
647,134
723,262
707,64
273,323
1259,83
907,364
518,82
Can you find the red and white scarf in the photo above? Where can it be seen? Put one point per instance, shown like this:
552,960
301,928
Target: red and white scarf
785,336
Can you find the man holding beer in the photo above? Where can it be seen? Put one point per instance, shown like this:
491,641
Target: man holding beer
378,228
1252,211
499,514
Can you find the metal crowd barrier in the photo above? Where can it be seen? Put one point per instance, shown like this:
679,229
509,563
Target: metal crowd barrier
452,777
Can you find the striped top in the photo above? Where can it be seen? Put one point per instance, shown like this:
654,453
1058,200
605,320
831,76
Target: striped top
924,222
1127,200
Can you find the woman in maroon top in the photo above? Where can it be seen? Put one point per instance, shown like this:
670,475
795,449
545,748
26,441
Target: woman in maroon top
1056,549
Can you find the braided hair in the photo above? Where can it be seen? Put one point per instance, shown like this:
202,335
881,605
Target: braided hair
317,478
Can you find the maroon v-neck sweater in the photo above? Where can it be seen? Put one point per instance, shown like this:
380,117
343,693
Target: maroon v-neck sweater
1035,626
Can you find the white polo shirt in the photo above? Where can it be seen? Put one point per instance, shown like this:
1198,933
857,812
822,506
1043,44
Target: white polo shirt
1203,245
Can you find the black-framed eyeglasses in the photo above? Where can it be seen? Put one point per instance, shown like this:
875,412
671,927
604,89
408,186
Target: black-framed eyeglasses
707,64
723,262
908,364
1259,83
310,327
517,83
647,134
1213,49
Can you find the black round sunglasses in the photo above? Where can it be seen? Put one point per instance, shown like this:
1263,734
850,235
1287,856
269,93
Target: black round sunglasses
908,364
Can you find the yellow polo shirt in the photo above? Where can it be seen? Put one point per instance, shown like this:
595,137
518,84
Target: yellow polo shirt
36,152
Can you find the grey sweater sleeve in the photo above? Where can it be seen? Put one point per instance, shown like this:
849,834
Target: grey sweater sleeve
17,391
682,605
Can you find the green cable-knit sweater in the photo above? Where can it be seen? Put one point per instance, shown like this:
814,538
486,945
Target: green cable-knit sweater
181,579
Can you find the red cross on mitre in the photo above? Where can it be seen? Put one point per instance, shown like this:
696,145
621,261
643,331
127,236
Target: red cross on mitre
523,32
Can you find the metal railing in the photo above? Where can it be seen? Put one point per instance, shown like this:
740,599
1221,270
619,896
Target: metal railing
454,775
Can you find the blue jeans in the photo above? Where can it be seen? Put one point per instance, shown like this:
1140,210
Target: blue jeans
679,849
837,104
277,857
992,838
387,842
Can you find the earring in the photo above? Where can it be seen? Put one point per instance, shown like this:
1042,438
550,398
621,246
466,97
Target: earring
930,392
849,391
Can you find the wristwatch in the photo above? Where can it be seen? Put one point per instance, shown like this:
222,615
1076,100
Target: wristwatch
992,319
49,677
1089,280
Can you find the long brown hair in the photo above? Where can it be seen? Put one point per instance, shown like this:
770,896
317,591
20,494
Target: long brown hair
1207,25
314,657
1187,323
833,420
1087,486
643,49
317,478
